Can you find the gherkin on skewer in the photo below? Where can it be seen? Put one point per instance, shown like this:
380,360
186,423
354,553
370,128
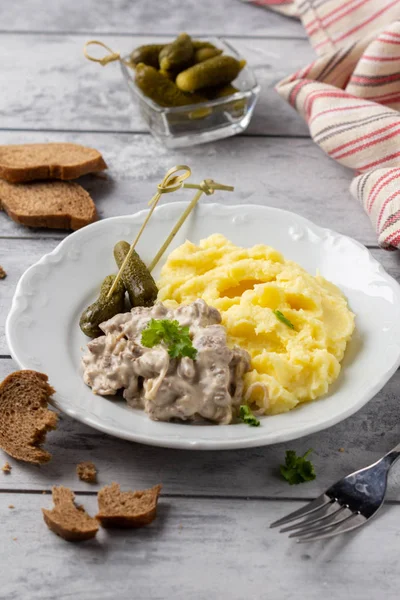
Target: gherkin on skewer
136,277
103,308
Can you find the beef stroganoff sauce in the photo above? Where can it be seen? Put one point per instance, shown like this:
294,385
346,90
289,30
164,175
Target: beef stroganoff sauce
210,387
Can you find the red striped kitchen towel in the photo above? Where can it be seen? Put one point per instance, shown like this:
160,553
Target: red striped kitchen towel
350,96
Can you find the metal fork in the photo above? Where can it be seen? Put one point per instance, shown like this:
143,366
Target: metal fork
346,505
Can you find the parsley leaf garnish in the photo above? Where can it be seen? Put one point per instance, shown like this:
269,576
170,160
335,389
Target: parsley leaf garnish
175,337
296,468
247,416
282,318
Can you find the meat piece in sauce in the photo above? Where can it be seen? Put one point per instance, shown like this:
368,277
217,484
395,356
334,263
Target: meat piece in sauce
209,387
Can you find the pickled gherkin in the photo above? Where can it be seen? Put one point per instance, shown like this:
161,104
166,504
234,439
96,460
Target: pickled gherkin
206,53
213,72
160,89
169,74
226,90
178,55
148,55
103,308
236,107
136,277
199,44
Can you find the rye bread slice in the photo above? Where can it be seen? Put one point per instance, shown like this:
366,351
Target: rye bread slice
52,204
24,416
127,509
27,162
67,519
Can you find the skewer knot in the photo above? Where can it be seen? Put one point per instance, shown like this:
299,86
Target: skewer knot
173,182
112,56
205,186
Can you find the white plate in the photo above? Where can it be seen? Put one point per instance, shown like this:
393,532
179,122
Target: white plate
43,334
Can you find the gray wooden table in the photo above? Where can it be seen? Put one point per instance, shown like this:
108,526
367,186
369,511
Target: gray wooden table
211,539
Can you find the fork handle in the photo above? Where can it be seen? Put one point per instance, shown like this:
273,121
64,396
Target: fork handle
391,457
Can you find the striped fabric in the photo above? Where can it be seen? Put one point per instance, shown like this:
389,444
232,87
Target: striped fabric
350,97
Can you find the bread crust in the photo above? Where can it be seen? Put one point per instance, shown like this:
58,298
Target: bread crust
68,520
20,163
53,204
127,509
24,416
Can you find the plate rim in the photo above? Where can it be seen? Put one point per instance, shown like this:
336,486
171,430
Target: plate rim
204,444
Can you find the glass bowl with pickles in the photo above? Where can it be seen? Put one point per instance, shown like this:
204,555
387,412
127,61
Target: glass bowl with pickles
191,91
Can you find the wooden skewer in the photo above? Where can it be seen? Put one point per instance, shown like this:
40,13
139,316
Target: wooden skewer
170,183
206,187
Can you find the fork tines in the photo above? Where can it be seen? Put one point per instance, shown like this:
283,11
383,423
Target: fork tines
322,518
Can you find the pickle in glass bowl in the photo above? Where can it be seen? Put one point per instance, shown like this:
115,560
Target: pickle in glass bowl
216,113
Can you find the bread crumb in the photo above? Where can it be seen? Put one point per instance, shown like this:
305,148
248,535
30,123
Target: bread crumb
341,449
15,539
87,471
44,492
11,506
6,468
3,274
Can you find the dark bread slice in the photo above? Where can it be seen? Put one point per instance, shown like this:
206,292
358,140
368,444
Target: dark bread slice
24,416
52,204
127,509
87,471
26,162
67,519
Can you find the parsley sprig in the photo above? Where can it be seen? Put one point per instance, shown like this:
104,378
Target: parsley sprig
284,319
247,416
297,469
175,337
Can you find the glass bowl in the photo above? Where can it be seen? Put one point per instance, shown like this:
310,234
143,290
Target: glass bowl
202,122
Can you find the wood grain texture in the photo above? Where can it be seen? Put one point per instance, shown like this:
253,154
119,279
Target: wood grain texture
293,175
252,473
194,549
133,17
66,91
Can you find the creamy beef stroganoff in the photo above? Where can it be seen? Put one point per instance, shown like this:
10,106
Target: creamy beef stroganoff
210,387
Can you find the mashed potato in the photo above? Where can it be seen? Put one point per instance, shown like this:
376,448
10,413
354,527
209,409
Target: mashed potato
247,285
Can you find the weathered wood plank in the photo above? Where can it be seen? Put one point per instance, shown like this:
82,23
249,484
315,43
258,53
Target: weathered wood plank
296,176
125,16
66,91
195,549
252,473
